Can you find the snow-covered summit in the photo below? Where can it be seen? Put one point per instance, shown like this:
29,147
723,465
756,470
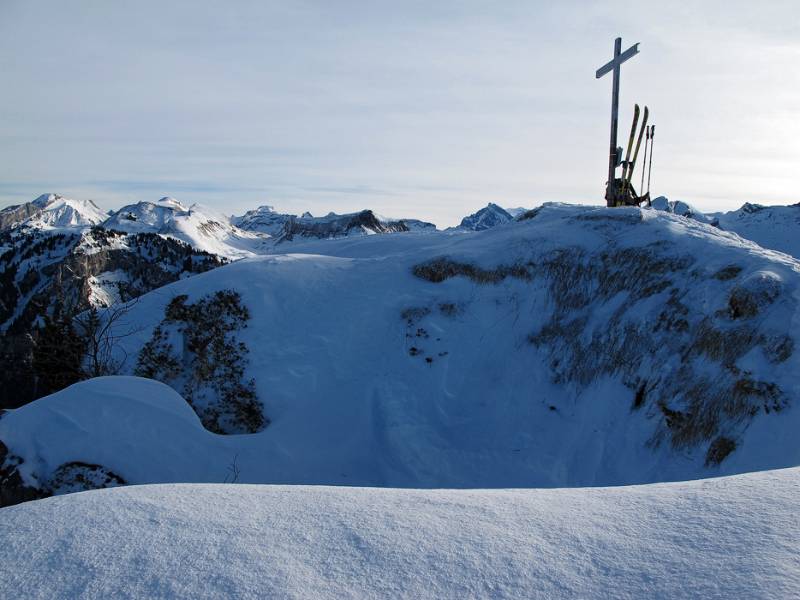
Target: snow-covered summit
199,226
263,219
489,216
51,211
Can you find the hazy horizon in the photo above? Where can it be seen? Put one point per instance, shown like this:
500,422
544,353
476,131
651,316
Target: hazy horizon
412,110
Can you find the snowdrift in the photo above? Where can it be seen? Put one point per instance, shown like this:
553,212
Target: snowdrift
730,537
578,347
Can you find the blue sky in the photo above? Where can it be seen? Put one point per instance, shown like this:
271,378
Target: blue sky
410,108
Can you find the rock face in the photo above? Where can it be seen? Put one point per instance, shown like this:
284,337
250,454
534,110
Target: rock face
14,215
13,489
486,218
335,226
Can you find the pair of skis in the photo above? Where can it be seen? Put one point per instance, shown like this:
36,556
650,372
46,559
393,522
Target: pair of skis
628,165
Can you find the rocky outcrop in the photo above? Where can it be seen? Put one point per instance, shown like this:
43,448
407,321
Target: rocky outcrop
333,226
13,489
14,215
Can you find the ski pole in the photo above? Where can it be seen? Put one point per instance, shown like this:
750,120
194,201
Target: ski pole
650,167
644,160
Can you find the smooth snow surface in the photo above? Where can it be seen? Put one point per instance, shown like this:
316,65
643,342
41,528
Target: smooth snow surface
733,537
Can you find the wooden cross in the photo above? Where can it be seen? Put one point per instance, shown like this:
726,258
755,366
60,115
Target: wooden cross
615,156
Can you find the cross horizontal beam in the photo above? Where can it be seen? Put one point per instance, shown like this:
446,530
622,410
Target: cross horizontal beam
617,60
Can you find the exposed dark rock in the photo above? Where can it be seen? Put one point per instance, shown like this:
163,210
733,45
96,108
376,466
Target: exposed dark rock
79,476
334,226
13,489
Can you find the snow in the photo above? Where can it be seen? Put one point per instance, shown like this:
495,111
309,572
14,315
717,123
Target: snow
333,324
199,226
59,213
775,227
516,211
104,287
263,219
679,207
489,216
349,404
730,537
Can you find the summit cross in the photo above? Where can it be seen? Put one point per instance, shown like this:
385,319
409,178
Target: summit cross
615,155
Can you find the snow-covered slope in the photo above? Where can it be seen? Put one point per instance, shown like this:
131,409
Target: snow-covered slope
51,211
196,225
774,227
583,346
489,216
730,537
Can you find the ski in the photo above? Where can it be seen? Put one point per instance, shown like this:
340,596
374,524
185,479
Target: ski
632,165
630,142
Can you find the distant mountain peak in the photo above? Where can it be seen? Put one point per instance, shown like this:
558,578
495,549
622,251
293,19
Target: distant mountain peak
489,216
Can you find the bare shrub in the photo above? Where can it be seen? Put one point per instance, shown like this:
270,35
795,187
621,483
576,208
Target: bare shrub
728,273
441,269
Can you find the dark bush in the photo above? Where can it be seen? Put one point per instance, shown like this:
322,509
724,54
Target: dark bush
719,450
209,371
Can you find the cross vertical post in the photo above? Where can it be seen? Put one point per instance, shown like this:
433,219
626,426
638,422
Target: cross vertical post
613,159
613,66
